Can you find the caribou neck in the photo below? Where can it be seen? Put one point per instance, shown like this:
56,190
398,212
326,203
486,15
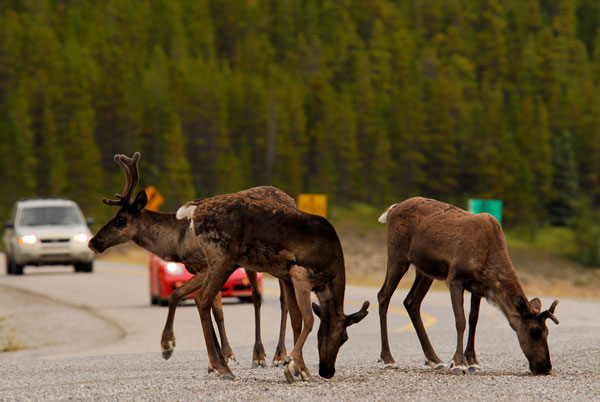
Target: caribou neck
506,291
161,234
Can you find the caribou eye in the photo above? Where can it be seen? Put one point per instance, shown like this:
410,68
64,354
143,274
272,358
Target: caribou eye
120,221
535,333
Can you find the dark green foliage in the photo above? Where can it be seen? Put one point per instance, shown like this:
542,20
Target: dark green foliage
366,101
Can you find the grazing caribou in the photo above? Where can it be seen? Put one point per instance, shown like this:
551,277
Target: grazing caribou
255,230
469,252
170,238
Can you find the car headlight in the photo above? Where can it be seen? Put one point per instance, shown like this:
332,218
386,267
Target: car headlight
27,239
81,238
174,268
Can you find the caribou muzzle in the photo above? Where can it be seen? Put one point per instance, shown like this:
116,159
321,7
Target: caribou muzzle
326,371
543,368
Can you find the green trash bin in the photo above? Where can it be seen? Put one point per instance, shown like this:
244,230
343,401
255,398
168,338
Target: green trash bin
492,207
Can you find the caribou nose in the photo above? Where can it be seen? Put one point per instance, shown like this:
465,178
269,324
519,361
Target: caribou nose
326,371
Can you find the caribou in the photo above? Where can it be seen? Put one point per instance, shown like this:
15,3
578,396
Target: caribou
469,252
254,229
166,236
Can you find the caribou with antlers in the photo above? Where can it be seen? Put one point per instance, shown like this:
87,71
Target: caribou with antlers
165,235
469,252
253,229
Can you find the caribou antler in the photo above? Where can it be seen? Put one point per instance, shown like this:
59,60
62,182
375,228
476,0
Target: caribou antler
549,313
131,170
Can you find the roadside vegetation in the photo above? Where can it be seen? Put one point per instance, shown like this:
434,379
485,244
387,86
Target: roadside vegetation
8,339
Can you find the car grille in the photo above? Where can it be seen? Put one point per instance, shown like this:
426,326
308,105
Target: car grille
55,240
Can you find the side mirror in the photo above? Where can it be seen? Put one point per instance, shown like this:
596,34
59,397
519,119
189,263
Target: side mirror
9,225
90,221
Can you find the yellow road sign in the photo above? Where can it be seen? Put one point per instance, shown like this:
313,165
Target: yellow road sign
155,199
313,203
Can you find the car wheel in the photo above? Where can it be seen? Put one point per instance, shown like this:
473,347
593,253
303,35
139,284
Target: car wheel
84,267
17,269
163,302
247,299
9,265
153,299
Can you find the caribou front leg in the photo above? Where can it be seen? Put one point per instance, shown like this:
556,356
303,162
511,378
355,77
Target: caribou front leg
459,362
299,304
470,349
167,341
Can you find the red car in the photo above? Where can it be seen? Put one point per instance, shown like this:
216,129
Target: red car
168,276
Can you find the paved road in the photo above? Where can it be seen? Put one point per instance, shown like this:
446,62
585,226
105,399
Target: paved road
95,337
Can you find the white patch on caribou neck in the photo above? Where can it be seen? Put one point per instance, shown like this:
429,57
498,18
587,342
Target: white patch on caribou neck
187,212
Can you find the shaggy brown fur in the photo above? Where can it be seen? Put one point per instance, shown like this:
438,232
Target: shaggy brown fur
469,252
169,238
253,229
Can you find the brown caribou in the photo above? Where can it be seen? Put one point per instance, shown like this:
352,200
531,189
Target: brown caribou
261,234
469,252
168,237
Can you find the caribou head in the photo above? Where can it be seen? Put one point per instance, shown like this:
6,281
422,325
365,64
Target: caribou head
123,226
332,335
532,333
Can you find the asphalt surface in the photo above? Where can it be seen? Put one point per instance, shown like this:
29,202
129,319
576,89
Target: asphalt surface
96,337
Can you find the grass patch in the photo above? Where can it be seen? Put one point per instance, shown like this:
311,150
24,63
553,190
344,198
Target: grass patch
360,215
9,342
557,240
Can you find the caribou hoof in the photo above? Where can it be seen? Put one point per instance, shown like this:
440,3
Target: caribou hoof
260,363
231,359
458,369
434,365
228,377
291,372
168,350
388,366
277,363
474,368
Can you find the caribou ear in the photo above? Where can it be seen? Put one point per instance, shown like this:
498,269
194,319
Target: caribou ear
359,315
536,304
141,199
521,305
316,309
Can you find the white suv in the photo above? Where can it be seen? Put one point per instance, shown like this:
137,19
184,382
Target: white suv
47,232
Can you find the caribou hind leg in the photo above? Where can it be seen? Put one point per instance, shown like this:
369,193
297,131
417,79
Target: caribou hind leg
204,300
394,273
217,310
280,353
473,364
412,303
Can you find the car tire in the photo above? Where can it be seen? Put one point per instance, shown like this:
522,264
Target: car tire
84,267
153,300
246,299
163,302
9,265
17,269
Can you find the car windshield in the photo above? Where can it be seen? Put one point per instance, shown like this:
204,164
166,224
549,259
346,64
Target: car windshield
39,216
